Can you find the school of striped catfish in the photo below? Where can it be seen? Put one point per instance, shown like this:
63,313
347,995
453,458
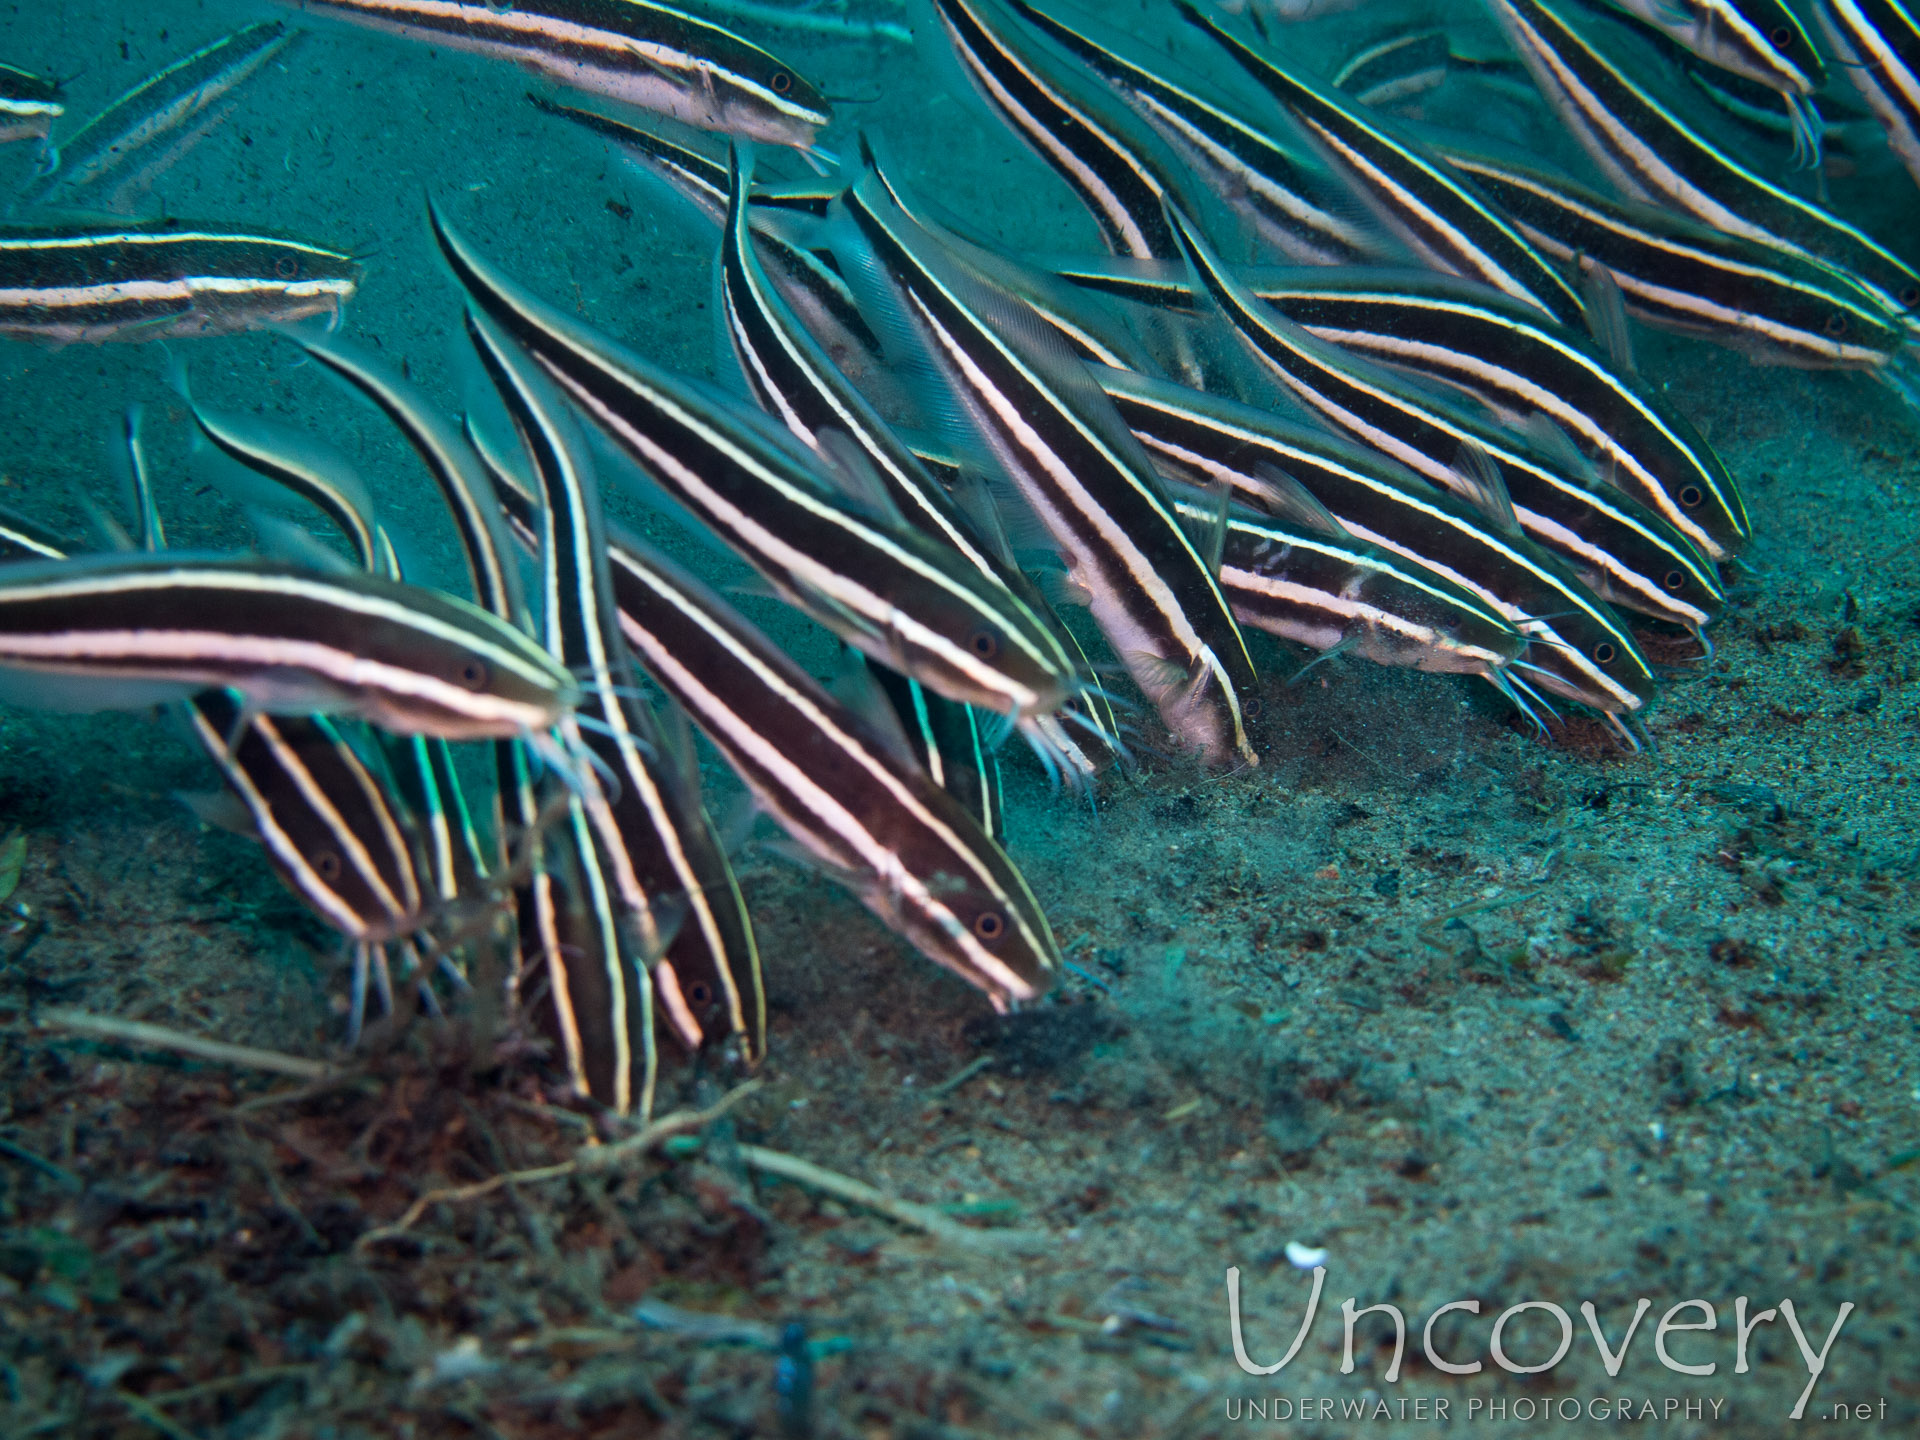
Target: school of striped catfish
1342,374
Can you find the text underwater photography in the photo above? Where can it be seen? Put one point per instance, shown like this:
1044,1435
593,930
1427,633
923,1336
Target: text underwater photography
1609,1402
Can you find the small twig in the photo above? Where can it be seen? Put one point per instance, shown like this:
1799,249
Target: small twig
552,1114
326,1085
1477,907
147,1411
600,1157
66,1179
159,1037
959,1077
573,1335
920,1217
244,1381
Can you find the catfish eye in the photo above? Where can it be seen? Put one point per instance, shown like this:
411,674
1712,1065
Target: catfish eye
781,82
1910,296
1604,653
286,267
1251,706
990,925
1837,323
1781,37
474,675
984,643
1690,496
1674,580
699,994
327,862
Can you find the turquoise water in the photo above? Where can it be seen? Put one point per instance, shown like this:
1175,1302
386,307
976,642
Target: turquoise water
1478,1013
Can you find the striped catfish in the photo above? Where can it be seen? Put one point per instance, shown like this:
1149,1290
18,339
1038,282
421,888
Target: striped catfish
330,823
582,982
580,962
568,927
1625,552
1291,199
1461,333
1408,64
579,967
698,176
795,381
1761,40
153,124
1079,472
653,838
869,817
1435,212
817,291
304,470
65,284
640,53
456,471
945,739
1847,129
1318,586
1758,44
423,768
1475,339
887,589
1678,274
124,631
1577,647
1653,155
1119,172
658,848
1878,44
29,104
1503,353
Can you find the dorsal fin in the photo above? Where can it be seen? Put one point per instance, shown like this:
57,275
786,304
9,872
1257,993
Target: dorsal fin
1477,481
854,687
850,469
972,496
1606,311
1556,445
146,511
222,810
1285,498
284,539
1209,535
106,532
1060,589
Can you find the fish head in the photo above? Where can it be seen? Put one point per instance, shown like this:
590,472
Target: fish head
761,97
980,921
438,665
974,641
275,282
1588,657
